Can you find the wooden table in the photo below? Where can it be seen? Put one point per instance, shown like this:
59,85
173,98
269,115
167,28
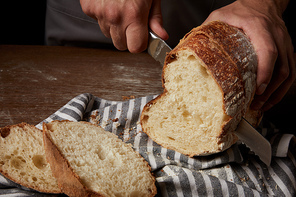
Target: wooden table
38,80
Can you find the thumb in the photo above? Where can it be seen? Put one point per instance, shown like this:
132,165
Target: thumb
155,20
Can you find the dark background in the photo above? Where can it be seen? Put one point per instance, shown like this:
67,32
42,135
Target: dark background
22,22
290,20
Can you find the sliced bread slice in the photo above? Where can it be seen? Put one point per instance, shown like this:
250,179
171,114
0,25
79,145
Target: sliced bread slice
22,158
89,161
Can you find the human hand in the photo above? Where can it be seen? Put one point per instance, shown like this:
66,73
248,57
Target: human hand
263,24
126,22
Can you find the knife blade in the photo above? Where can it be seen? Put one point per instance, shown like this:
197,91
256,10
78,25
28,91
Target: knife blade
158,49
254,140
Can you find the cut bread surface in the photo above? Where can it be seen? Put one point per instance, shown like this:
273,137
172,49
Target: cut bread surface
103,163
182,119
23,160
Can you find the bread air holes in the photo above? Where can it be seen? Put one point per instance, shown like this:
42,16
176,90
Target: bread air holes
39,161
186,114
7,157
177,79
191,58
136,194
145,118
204,99
171,138
203,72
118,195
18,162
101,152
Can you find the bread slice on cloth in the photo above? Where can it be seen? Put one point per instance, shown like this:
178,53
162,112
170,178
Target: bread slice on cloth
23,160
209,81
89,161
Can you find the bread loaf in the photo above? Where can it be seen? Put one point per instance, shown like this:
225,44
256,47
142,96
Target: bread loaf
89,161
22,158
209,81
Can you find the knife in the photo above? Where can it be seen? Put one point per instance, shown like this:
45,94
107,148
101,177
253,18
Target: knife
254,140
158,49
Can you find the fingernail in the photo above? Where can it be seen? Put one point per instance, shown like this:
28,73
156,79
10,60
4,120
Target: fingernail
261,88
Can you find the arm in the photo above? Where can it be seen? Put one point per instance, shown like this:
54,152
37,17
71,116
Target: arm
126,22
262,22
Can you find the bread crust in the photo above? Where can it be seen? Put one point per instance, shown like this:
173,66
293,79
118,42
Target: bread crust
68,181
229,57
5,132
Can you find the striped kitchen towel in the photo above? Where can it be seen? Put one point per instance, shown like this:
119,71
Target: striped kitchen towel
234,172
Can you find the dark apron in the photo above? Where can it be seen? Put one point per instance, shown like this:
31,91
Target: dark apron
66,24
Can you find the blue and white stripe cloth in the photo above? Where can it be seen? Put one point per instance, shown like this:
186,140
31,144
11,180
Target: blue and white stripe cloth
234,172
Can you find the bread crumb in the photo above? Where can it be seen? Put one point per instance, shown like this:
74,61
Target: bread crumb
115,120
117,124
104,123
95,117
127,97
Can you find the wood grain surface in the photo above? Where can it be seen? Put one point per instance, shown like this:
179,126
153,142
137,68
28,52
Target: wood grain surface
38,80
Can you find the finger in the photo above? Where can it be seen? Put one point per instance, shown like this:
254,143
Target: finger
266,61
271,98
278,78
137,37
283,44
155,20
88,9
109,15
266,51
105,29
281,71
273,86
96,11
261,100
118,37
279,94
137,26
